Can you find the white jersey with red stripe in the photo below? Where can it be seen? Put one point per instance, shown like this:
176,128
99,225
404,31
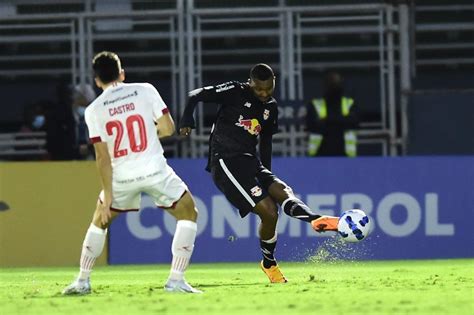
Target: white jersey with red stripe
125,116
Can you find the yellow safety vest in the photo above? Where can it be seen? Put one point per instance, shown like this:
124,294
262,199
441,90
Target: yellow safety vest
350,137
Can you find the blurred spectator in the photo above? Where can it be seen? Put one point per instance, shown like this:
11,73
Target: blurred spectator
61,133
34,121
331,121
83,95
34,118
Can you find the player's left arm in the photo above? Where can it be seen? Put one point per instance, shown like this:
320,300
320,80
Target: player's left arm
266,148
266,138
165,126
104,165
161,115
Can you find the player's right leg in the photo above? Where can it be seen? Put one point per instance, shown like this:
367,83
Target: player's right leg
290,204
182,247
92,248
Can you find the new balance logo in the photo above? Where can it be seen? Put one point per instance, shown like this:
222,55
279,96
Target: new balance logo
247,104
187,248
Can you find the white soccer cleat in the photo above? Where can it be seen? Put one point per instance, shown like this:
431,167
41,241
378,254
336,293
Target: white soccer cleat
78,287
180,286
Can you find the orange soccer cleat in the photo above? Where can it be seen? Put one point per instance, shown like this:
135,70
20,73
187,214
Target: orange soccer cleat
325,223
274,274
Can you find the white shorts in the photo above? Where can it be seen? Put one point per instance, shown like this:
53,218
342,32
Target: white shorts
164,187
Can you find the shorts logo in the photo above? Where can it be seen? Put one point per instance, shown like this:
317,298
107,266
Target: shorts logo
266,114
256,191
251,125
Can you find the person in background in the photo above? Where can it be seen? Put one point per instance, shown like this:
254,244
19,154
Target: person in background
34,118
82,96
32,128
331,121
60,129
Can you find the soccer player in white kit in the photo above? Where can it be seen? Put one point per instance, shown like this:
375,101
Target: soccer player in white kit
123,123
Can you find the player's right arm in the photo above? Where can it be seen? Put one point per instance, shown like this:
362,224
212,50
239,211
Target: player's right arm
208,94
103,161
104,165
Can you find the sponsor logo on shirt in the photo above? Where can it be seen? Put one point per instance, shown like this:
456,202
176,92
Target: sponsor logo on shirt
120,98
266,114
251,125
224,87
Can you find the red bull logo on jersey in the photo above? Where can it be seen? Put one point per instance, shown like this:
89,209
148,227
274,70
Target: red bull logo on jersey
251,125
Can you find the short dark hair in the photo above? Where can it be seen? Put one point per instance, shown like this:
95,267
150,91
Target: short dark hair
261,72
106,66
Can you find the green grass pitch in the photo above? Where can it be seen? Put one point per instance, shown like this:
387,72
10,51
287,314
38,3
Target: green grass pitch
396,287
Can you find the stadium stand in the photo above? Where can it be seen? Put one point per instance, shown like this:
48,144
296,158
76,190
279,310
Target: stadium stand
179,45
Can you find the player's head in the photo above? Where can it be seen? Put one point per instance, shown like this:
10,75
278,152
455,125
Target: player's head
262,81
107,68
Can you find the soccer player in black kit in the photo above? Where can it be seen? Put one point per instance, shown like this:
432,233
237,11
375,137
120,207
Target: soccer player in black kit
247,111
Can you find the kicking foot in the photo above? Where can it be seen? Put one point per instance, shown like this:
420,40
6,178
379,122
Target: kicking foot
180,286
325,223
78,287
274,274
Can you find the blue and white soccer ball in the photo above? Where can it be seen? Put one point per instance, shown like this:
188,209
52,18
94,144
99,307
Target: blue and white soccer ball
354,225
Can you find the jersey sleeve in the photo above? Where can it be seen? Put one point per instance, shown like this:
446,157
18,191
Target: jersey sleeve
215,93
95,133
158,105
219,94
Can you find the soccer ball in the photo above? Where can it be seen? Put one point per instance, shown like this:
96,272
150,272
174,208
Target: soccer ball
354,225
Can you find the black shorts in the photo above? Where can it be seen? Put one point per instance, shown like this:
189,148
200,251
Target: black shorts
243,180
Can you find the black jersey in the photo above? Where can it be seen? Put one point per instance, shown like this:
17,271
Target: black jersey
241,118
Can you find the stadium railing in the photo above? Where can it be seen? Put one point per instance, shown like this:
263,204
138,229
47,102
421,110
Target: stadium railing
22,145
191,41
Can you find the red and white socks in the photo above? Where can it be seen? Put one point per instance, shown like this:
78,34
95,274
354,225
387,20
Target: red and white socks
182,248
91,250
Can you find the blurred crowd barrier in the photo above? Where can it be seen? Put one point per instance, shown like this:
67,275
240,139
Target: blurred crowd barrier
45,210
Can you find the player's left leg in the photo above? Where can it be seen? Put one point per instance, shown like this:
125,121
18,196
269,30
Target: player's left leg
185,213
92,248
267,210
295,208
